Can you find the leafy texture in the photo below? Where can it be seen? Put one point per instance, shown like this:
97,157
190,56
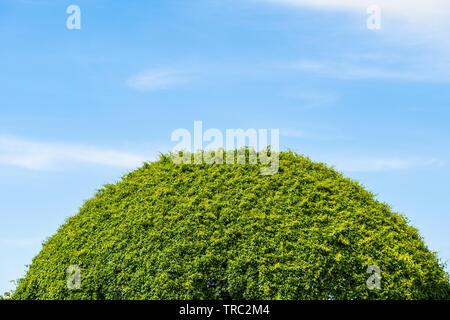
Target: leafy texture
187,231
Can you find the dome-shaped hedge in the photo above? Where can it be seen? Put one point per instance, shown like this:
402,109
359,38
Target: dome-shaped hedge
169,231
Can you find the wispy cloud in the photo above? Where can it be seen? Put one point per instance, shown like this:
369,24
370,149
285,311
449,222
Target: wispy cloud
311,100
152,80
353,71
311,131
416,28
377,67
419,12
295,133
368,164
20,242
43,156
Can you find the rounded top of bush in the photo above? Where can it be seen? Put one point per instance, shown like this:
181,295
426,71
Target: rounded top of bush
213,231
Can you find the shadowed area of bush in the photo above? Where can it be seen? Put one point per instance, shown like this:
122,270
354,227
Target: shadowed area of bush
186,231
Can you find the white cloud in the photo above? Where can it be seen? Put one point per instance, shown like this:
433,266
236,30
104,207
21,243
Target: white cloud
348,70
42,156
409,11
292,133
417,24
368,164
20,242
311,131
311,100
417,29
155,80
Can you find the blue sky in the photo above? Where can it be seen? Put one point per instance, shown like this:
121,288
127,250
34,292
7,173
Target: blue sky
80,108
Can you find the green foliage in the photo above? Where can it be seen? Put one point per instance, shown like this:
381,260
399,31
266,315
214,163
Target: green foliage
187,231
5,296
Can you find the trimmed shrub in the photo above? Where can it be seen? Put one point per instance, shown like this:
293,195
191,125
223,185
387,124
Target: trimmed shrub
187,231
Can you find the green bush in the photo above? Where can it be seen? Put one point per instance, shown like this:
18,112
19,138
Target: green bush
5,296
187,231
